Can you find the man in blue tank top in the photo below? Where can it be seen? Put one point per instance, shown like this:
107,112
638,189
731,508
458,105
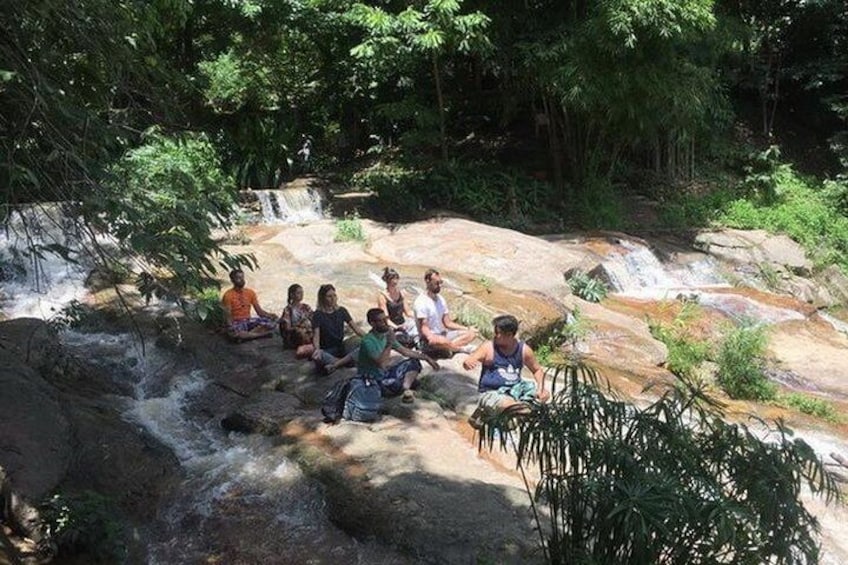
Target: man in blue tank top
502,360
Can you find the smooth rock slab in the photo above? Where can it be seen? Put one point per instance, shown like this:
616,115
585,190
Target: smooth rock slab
263,413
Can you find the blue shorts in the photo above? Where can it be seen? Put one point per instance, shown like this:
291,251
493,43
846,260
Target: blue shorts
391,379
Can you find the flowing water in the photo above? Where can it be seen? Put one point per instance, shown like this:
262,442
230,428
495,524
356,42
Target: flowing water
42,267
636,271
290,205
241,499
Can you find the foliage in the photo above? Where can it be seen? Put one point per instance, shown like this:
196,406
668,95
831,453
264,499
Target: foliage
586,287
772,196
168,194
85,523
70,316
811,405
568,334
685,352
508,198
349,228
800,209
740,364
623,484
436,30
207,308
469,315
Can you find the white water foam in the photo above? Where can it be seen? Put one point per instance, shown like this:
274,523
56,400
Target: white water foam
37,280
290,206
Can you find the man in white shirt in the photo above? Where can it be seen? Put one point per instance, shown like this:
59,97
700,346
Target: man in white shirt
439,333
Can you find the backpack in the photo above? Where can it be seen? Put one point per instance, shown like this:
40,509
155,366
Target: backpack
363,401
333,404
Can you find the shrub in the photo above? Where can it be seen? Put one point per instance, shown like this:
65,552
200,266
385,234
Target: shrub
207,308
166,196
624,484
349,228
810,405
87,524
586,287
740,361
685,353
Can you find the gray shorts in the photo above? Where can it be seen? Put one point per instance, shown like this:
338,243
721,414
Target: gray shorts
491,400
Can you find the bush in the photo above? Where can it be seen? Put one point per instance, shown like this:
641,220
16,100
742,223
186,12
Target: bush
586,287
87,524
477,189
740,364
349,228
624,484
810,405
207,308
685,352
165,198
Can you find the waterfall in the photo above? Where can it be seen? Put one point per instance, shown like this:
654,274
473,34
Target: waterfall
636,271
42,264
293,205
239,493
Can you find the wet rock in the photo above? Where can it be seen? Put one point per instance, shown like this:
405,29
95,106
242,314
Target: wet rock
263,413
35,450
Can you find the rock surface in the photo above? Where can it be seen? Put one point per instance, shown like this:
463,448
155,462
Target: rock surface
415,480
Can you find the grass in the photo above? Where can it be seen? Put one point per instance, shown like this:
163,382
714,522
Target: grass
810,405
349,228
469,315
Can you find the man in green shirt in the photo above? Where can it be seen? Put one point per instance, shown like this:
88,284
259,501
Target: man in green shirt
375,359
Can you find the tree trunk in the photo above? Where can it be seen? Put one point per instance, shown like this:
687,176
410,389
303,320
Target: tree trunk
441,103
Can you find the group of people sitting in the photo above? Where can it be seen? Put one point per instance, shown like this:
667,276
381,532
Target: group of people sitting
424,332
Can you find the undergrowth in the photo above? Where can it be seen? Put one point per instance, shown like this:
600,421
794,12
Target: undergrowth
772,196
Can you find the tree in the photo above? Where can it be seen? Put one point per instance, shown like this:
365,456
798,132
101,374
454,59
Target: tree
435,31
668,483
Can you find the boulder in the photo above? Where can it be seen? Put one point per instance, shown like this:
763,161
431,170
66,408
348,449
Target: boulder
836,282
755,246
263,413
36,449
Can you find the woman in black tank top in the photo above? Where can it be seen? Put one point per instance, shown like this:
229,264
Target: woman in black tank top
392,302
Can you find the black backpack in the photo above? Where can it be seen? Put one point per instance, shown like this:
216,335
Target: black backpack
334,401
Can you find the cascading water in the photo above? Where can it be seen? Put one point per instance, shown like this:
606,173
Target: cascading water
637,272
240,499
290,205
42,262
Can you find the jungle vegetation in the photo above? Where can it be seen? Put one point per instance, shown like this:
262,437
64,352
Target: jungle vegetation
147,117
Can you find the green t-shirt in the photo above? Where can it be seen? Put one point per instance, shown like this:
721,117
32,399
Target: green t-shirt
369,351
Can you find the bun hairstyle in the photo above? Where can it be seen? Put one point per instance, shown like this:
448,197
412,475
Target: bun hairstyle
292,290
389,274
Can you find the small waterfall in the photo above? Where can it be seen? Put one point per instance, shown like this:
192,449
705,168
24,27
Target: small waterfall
42,264
240,496
636,271
294,205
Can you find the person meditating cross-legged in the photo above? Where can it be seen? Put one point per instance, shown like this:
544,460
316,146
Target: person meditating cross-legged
375,359
502,360
328,322
237,303
439,333
394,304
